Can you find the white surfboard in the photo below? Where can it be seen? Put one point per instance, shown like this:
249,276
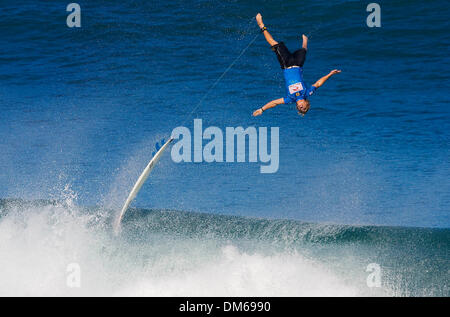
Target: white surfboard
141,180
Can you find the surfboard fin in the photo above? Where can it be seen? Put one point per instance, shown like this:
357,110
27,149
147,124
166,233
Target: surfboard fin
158,146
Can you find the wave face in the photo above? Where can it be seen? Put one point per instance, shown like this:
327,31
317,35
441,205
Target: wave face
172,253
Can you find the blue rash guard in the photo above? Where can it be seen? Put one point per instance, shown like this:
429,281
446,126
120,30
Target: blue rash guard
295,85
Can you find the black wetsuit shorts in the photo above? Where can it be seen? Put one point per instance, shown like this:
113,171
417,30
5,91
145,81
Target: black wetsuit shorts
288,59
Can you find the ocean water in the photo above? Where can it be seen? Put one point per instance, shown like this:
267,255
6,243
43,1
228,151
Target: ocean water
363,177
173,253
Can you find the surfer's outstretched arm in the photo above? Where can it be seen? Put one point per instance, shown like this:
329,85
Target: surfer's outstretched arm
266,33
322,80
268,105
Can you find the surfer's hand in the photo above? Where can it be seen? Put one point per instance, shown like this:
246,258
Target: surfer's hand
257,112
335,71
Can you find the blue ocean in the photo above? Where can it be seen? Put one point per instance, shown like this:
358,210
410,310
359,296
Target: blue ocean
361,195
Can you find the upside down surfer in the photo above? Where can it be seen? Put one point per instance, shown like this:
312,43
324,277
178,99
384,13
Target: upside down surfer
292,65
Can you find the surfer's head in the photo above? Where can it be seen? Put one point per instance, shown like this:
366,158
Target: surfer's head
303,106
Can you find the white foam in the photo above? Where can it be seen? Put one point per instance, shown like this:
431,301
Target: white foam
240,274
37,245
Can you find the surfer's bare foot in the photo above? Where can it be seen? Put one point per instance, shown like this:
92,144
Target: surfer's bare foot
259,20
305,41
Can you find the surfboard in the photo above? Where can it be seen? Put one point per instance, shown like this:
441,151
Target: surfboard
141,180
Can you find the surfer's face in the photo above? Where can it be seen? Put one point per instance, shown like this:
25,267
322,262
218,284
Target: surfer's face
303,106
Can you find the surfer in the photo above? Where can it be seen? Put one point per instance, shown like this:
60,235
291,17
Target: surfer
292,64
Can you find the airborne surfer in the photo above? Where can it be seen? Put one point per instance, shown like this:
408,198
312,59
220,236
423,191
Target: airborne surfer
292,65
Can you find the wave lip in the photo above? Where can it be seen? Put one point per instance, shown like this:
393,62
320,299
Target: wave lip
172,253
